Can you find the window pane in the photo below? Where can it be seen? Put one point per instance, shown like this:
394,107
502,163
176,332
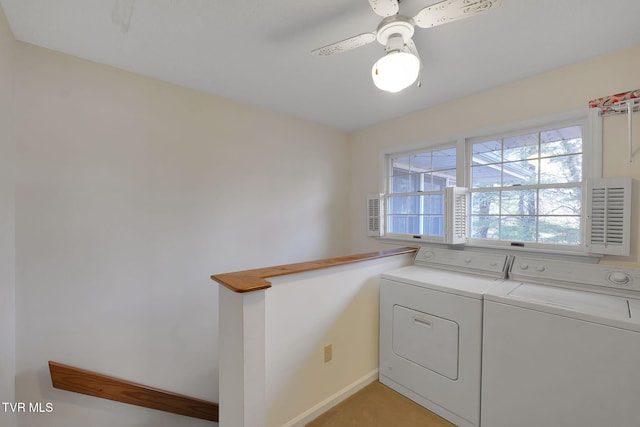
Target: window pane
559,170
485,203
485,227
561,141
449,175
521,147
434,204
488,152
400,165
560,201
559,229
437,181
427,182
432,183
520,228
405,183
405,224
521,202
485,176
404,204
421,162
444,159
433,225
520,173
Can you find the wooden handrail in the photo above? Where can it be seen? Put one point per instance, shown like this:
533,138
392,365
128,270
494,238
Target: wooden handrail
93,384
254,280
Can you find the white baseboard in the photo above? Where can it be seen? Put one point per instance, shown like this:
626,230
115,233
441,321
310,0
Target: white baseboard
332,400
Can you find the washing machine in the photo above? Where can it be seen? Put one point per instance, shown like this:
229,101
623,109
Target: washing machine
561,346
431,329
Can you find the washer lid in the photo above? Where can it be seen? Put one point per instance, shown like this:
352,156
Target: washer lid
595,307
587,302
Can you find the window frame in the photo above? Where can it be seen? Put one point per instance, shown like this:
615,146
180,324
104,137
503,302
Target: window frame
387,167
587,118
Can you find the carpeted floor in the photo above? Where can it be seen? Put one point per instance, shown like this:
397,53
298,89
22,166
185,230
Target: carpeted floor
377,405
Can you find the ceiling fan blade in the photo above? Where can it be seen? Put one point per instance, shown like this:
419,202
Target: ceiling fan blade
411,46
385,7
452,10
344,45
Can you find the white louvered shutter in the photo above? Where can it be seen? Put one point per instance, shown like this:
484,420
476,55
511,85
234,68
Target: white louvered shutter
608,225
456,215
374,218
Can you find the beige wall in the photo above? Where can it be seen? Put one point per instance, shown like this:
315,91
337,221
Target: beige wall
555,91
304,313
615,163
130,193
7,221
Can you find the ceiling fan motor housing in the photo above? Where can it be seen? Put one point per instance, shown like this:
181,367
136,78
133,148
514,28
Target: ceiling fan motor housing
393,30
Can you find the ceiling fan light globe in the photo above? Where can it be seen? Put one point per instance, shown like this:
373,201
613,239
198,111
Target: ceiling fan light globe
395,71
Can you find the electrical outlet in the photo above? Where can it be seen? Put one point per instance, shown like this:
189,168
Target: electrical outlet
328,353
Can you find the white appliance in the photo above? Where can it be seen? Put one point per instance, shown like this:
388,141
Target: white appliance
431,329
561,346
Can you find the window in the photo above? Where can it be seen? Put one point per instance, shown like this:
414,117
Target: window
416,183
528,187
526,183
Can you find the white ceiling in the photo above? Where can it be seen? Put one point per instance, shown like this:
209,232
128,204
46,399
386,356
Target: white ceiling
258,51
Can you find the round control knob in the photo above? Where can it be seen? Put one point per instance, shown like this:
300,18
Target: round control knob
619,278
428,255
540,268
523,266
467,260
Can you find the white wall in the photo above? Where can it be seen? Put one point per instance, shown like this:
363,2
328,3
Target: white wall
555,91
130,193
304,312
7,222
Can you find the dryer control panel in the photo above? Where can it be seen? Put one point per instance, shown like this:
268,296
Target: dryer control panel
486,264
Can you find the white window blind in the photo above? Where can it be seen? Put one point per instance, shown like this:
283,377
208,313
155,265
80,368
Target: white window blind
374,210
456,216
608,230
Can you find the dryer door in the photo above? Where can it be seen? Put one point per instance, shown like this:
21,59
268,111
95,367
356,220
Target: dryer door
430,347
430,341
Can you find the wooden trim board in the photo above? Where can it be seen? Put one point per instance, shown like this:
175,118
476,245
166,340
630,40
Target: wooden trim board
93,384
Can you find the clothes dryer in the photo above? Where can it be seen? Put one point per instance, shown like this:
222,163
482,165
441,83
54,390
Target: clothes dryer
431,329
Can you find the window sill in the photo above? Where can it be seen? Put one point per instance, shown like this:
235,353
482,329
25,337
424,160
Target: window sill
569,255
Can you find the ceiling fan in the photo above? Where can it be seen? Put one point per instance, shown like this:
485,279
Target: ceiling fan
400,66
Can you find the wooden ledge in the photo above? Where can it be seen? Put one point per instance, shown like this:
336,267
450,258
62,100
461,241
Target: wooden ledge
254,280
